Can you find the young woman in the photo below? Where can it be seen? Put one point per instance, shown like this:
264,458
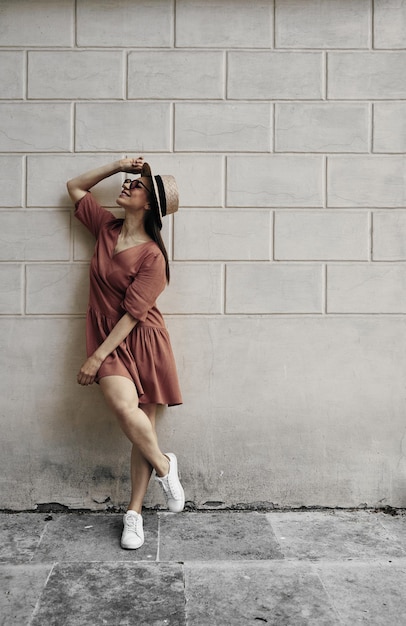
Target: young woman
128,347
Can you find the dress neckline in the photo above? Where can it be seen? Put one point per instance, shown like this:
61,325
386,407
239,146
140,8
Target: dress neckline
137,245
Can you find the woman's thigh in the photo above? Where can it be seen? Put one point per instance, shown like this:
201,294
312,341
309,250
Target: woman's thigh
119,392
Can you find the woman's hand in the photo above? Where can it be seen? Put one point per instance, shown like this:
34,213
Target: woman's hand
91,366
131,166
88,371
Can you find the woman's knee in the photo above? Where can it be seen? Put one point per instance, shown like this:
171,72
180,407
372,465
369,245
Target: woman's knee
124,411
121,397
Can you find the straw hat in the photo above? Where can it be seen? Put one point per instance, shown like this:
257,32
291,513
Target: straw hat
164,192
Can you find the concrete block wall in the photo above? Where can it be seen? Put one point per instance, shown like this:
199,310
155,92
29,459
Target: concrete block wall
284,124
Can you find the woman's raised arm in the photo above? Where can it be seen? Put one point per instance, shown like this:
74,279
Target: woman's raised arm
80,185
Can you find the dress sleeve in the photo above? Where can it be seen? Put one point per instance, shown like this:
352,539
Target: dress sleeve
91,214
148,283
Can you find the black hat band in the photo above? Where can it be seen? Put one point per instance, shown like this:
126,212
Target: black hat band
162,195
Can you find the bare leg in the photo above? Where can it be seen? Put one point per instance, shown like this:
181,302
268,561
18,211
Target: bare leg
141,469
121,396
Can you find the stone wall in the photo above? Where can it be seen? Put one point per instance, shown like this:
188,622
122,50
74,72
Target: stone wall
284,124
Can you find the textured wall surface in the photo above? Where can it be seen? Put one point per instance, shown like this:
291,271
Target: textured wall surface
284,123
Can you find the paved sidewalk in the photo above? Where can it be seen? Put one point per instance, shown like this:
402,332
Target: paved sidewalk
205,568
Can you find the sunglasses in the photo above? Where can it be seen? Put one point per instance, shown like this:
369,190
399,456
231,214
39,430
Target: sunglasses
133,184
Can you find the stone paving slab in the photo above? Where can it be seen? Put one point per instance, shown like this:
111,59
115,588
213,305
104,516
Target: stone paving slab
20,535
21,586
334,535
116,594
366,593
93,537
267,592
395,525
213,536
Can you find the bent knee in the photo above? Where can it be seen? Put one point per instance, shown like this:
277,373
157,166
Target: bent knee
121,396
124,411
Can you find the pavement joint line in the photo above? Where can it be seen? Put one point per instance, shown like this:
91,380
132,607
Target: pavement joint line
330,599
40,540
158,541
316,562
38,602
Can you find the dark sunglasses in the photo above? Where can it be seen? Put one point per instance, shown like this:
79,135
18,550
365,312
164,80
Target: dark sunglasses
133,184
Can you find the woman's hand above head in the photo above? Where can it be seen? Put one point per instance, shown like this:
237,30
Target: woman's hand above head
89,369
131,166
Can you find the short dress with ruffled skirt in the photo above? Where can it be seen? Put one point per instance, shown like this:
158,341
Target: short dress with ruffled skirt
128,281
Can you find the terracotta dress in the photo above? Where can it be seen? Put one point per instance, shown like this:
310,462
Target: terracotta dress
129,281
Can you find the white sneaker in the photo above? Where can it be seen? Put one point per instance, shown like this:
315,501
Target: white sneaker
175,496
133,533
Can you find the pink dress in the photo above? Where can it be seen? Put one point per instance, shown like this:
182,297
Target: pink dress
129,281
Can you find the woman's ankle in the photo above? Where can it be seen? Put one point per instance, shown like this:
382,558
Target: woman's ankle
163,469
135,508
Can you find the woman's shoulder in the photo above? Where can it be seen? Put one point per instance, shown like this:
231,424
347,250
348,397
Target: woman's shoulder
153,251
149,257
92,214
89,203
152,247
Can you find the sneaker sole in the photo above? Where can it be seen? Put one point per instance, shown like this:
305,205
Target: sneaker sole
131,547
174,460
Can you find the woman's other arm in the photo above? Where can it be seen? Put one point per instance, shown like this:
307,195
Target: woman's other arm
91,366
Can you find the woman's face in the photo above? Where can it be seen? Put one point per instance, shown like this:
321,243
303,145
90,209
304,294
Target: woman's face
134,194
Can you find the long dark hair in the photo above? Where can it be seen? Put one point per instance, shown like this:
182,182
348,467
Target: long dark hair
153,230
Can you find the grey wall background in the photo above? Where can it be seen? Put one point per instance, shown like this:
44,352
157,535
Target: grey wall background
284,124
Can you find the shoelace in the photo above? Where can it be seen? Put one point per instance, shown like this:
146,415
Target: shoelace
170,488
133,523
